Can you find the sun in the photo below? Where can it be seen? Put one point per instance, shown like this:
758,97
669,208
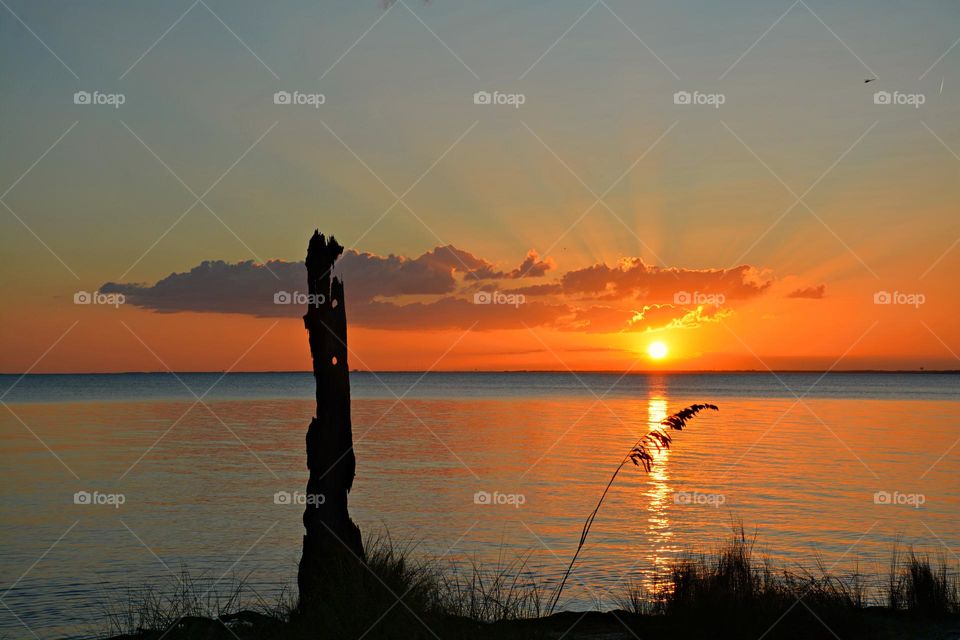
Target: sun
657,350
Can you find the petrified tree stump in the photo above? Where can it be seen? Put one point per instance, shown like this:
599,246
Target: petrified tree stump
332,541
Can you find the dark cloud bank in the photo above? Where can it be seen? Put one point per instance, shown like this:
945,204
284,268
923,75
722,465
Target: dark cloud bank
449,288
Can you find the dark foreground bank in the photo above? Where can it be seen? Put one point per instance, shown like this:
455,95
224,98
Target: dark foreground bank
726,594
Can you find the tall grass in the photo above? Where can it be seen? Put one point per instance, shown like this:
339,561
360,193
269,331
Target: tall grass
641,455
735,594
189,604
395,594
503,592
922,587
730,592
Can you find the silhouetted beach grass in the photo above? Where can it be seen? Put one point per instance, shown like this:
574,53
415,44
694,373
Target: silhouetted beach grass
752,598
730,592
396,594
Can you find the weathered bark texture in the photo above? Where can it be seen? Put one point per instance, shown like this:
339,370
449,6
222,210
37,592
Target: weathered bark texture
332,541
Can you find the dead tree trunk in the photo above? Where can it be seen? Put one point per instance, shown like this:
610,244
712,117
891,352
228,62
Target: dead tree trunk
332,541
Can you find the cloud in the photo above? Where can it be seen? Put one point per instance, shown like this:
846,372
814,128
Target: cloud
654,317
539,289
453,313
452,259
374,285
436,290
532,267
248,287
219,287
813,293
666,316
600,319
631,278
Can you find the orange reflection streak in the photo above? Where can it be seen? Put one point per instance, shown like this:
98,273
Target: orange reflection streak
659,533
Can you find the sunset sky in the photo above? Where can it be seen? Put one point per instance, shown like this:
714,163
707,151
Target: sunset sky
751,235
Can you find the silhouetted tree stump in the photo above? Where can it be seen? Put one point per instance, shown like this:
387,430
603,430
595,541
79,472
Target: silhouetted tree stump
332,541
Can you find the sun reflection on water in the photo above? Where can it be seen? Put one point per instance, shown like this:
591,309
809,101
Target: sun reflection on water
659,535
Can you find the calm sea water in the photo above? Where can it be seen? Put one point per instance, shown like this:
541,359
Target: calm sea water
797,458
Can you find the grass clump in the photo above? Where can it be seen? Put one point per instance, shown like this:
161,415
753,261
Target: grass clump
922,587
394,594
732,593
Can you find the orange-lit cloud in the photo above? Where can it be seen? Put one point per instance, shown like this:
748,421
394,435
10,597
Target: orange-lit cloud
667,316
632,278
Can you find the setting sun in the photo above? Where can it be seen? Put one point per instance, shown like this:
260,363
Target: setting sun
657,350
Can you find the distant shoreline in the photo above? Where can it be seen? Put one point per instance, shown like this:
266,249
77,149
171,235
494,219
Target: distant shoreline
522,371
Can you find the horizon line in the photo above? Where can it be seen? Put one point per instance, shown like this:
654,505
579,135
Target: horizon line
497,371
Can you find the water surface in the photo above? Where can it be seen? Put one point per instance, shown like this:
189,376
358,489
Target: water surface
798,458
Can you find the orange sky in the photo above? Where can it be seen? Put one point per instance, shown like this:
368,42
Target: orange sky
844,329
797,199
